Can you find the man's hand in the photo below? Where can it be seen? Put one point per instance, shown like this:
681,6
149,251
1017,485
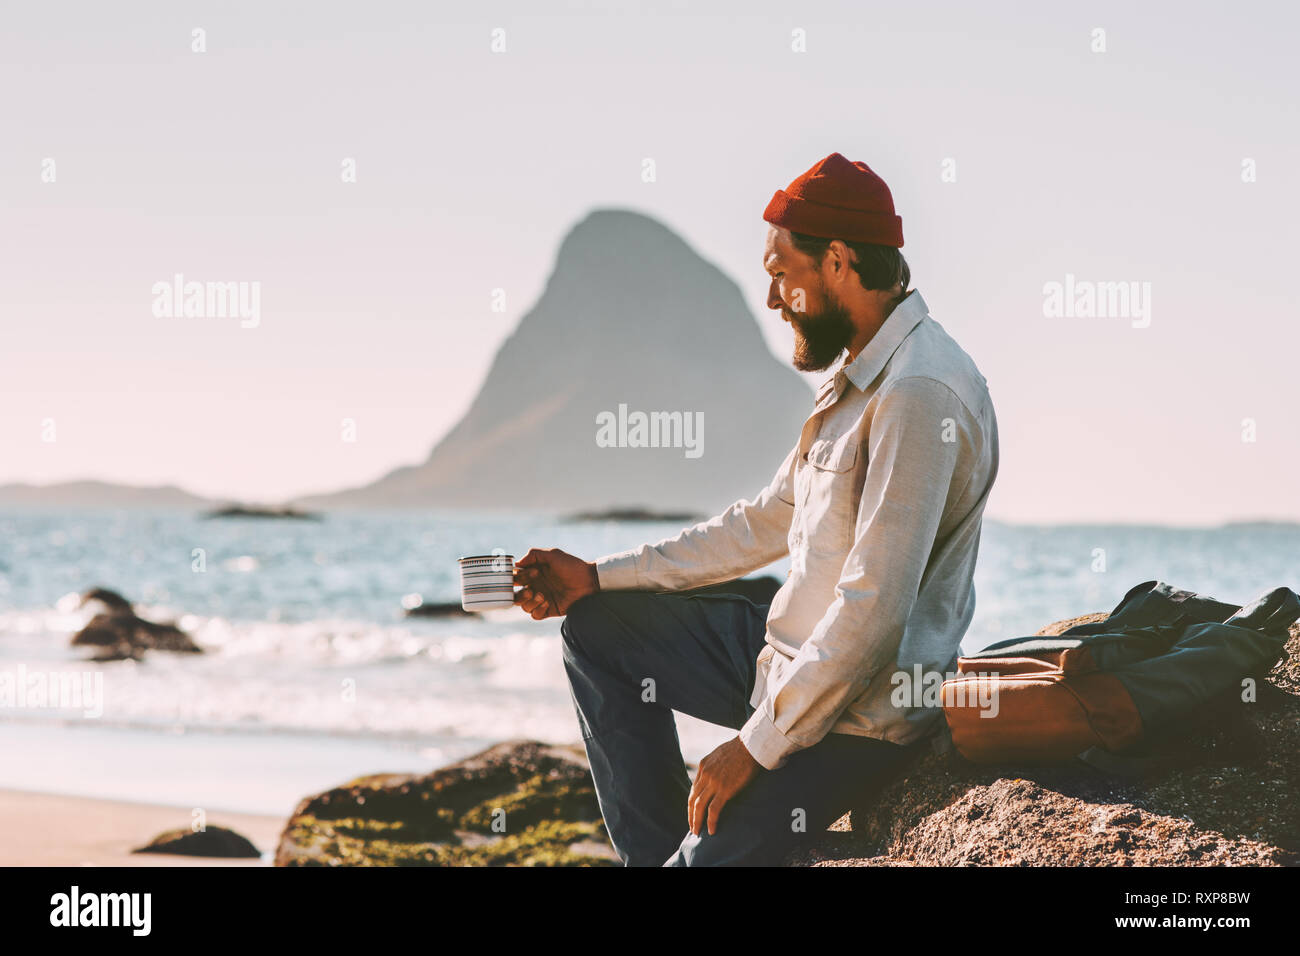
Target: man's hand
552,580
722,775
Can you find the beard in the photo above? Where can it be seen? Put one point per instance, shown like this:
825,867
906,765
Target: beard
820,338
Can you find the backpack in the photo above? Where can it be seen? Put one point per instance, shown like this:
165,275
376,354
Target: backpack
1107,686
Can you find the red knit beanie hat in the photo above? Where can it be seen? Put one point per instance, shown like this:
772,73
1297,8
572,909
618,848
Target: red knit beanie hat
837,199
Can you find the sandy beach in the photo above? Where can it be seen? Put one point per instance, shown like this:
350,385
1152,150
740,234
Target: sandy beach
38,829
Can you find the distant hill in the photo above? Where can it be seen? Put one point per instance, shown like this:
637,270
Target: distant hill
1262,524
98,494
631,316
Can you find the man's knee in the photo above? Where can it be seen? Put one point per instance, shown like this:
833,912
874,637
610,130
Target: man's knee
587,616
602,626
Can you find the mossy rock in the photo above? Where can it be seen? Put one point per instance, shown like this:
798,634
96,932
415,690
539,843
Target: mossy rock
520,803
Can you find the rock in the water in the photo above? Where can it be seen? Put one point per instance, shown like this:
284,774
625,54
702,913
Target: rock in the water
632,514
1221,794
121,635
256,511
520,803
420,608
212,841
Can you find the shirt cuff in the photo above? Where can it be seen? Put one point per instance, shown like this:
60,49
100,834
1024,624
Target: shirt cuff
617,572
764,742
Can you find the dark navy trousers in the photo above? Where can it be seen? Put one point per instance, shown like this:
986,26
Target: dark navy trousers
634,657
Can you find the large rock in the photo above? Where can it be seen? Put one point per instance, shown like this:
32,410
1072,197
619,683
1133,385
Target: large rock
1224,793
519,803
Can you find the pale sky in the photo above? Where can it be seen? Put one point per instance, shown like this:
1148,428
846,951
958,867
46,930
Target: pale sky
1117,166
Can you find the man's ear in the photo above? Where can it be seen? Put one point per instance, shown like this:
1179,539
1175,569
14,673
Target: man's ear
831,263
848,260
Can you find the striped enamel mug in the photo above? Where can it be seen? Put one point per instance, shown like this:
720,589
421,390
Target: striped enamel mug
487,582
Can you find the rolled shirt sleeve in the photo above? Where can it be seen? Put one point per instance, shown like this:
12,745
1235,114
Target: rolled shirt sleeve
748,535
921,437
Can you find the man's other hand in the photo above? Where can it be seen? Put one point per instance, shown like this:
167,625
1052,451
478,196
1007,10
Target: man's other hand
722,775
551,580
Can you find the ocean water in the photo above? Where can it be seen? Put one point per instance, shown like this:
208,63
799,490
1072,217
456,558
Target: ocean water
313,675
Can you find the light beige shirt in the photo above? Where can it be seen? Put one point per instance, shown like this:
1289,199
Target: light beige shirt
879,506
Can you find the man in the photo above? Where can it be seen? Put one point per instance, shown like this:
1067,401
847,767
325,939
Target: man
879,505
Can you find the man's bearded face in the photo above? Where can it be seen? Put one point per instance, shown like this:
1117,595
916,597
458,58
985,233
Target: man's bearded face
820,337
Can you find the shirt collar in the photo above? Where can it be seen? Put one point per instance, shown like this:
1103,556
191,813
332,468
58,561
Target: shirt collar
862,371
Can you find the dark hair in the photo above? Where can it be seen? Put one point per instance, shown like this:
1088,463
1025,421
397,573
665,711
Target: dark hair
878,267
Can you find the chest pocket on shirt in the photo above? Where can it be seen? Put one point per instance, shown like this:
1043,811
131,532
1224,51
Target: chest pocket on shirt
839,455
830,502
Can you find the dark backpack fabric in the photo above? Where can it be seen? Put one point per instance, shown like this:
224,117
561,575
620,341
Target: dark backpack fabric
1162,652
